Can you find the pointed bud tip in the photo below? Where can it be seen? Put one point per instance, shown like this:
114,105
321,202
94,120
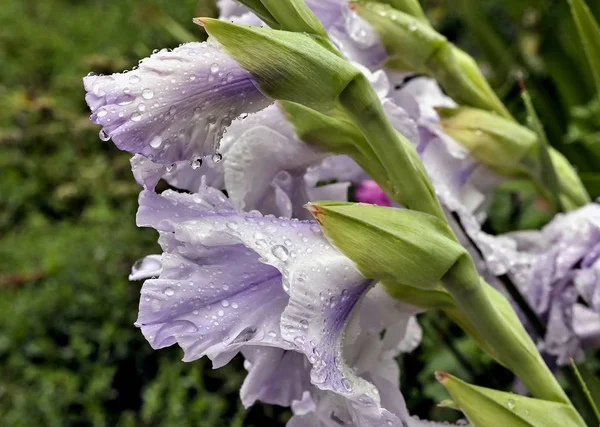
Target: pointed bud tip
316,211
441,376
199,21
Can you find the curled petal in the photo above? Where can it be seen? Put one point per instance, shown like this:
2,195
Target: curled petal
176,104
277,271
275,376
213,295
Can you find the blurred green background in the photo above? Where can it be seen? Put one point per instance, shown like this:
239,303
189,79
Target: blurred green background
69,353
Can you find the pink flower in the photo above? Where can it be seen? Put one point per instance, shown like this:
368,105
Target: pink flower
369,192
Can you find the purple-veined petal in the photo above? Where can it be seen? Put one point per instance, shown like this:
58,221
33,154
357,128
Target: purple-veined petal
216,257
176,104
213,295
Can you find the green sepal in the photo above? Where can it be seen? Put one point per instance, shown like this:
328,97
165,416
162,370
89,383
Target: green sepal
589,33
499,143
294,15
396,245
287,66
410,7
404,36
485,407
334,132
573,193
262,12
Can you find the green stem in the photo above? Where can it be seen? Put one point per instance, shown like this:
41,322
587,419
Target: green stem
506,336
406,175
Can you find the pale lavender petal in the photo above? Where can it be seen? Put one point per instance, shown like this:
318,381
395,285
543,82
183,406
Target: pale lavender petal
176,105
263,146
275,376
213,295
340,168
337,191
586,324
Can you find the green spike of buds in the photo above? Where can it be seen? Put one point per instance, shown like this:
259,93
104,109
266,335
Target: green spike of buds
485,407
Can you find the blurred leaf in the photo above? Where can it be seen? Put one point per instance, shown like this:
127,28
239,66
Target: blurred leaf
589,34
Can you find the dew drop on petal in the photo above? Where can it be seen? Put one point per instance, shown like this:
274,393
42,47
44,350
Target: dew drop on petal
214,68
147,94
217,157
136,117
280,252
156,141
347,384
134,78
225,303
196,163
102,113
103,135
169,292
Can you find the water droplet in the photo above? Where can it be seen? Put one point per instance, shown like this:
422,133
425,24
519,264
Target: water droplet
147,94
102,113
412,27
217,157
261,243
221,313
280,252
272,334
225,303
347,384
134,78
156,141
103,135
169,292
196,163
136,117
234,305
126,100
142,106
214,68
510,404
171,168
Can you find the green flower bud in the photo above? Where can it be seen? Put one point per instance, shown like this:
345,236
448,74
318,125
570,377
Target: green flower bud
411,248
415,46
502,145
573,194
288,66
485,407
